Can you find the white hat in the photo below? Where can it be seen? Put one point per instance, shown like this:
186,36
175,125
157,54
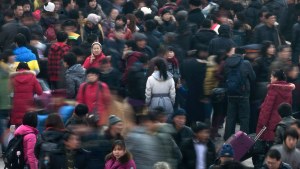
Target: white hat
146,10
49,7
93,18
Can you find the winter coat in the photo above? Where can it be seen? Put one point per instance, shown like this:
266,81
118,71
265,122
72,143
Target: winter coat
252,13
265,33
296,38
282,64
5,100
183,134
136,82
29,141
153,41
8,33
220,44
196,16
281,127
87,94
74,76
210,81
113,163
130,58
278,92
288,156
286,21
261,67
25,85
189,154
203,36
160,92
24,54
282,166
96,31
167,26
55,56
96,62
112,78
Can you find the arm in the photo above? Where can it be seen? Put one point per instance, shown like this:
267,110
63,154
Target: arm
172,91
87,63
148,91
80,96
279,132
70,87
252,75
29,143
37,88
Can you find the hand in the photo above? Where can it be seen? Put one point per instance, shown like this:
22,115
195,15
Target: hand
92,58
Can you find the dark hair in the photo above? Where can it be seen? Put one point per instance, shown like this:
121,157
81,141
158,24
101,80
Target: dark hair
195,2
90,1
292,133
27,14
199,126
20,40
274,154
150,25
233,165
282,47
78,51
265,46
23,65
15,5
74,14
297,123
70,59
284,110
261,12
67,135
130,43
91,38
6,54
30,119
25,2
66,3
279,74
61,36
9,13
69,22
125,158
92,70
162,68
269,14
54,121
206,23
122,17
81,110
26,32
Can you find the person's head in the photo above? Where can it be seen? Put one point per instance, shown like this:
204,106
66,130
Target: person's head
69,26
81,110
20,40
27,19
225,31
71,141
201,131
92,75
79,53
26,6
54,121
284,52
226,153
30,119
115,125
140,40
270,19
121,20
92,20
49,7
8,15
161,66
268,49
57,4
206,24
119,149
166,15
296,125
92,3
273,159
18,10
105,66
290,138
150,25
22,66
285,110
160,114
278,75
8,56
194,3
96,48
161,165
69,60
69,4
119,33
170,53
179,118
202,52
61,36
113,13
262,14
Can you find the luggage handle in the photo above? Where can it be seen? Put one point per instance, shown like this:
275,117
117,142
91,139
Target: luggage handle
260,133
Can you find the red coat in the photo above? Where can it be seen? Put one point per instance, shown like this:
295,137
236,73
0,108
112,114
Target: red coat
278,93
25,85
88,96
96,62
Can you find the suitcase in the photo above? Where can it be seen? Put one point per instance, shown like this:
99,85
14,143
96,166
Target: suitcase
242,143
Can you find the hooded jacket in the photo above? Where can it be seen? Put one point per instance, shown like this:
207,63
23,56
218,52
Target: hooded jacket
23,54
96,62
204,36
74,76
29,141
278,92
25,85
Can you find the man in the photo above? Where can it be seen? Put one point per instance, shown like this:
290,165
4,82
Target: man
18,10
110,75
296,125
239,75
115,128
195,14
68,5
290,154
198,152
284,59
78,118
28,20
226,154
268,32
273,161
141,44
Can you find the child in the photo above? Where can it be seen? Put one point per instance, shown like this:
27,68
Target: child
119,158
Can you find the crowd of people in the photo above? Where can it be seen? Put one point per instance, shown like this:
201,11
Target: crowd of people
125,84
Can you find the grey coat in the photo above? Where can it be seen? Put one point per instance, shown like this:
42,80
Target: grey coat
74,76
290,157
281,127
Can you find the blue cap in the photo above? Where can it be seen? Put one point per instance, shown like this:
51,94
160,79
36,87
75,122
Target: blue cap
226,151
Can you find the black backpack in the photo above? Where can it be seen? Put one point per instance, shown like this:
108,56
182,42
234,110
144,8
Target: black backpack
235,81
13,157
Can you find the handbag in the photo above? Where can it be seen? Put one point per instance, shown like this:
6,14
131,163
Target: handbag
218,95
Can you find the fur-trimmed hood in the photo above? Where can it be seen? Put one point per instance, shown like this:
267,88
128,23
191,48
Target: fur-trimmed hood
30,75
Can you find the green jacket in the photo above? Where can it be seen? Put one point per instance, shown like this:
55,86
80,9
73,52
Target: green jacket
5,100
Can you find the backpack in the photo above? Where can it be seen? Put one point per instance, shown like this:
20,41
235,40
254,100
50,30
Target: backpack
13,157
235,81
50,33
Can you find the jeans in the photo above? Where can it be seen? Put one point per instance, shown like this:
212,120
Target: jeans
237,106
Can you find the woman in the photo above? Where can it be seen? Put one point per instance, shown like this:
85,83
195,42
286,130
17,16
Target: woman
95,58
25,85
119,158
28,129
160,87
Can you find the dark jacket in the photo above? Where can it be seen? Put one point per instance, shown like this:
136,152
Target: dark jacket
189,154
136,82
252,13
282,166
182,135
204,36
74,76
8,33
261,67
287,20
281,127
246,70
296,38
219,44
112,78
153,41
167,26
265,33
196,16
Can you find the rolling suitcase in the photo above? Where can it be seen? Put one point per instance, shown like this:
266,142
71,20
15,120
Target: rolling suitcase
242,143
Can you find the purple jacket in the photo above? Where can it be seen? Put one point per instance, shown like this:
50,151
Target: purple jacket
29,141
113,163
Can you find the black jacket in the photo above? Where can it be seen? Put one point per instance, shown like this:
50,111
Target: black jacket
282,166
219,44
196,16
252,13
153,41
296,38
136,82
262,68
182,135
204,36
8,33
189,160
265,33
112,78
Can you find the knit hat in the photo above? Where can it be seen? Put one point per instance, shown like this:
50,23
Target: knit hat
49,7
93,18
179,112
226,151
113,119
139,36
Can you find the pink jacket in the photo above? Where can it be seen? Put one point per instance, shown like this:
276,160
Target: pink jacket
29,141
113,163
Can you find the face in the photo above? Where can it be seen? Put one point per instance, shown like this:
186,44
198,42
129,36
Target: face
170,54
203,135
92,78
290,142
117,128
166,17
273,79
105,67
113,14
272,163
285,54
96,49
118,152
69,29
231,52
179,121
73,142
89,24
27,21
119,2
120,22
141,43
57,5
19,11
26,7
293,74
263,18
271,50
93,4
11,59
271,20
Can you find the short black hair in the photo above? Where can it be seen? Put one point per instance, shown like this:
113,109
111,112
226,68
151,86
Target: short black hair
8,13
70,59
61,36
78,51
6,54
20,40
150,25
199,126
66,3
292,133
67,135
206,23
30,119
69,22
74,14
284,110
195,2
274,154
269,14
122,17
282,47
92,70
23,65
15,5
27,14
262,11
81,110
